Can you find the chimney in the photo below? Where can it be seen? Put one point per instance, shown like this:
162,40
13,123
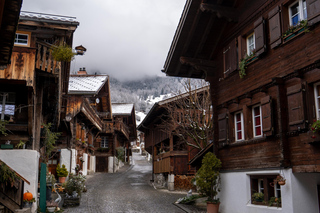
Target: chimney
82,71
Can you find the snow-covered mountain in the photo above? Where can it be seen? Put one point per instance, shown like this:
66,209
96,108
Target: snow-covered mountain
144,93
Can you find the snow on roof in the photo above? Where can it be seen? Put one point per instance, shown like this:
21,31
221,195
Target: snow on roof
121,109
86,84
25,15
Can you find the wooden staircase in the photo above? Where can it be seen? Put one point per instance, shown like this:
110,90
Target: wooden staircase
11,195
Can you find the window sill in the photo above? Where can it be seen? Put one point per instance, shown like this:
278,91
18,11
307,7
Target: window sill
251,59
294,34
246,142
264,206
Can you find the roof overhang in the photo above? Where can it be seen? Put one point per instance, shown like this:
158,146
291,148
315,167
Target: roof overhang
200,31
9,17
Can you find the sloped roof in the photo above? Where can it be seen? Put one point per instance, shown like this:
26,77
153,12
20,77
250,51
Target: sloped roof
86,84
49,18
121,109
9,18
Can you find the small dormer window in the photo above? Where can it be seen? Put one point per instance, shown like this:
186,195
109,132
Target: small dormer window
22,39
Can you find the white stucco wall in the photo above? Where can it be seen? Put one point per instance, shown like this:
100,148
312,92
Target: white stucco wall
73,161
299,194
26,163
110,164
305,198
65,158
85,164
93,163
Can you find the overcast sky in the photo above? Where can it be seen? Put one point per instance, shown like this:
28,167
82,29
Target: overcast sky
126,39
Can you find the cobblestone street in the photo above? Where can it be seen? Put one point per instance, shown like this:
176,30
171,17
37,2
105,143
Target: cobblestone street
128,190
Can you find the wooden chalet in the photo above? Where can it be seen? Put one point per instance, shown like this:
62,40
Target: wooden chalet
98,127
170,154
32,85
262,59
124,120
89,107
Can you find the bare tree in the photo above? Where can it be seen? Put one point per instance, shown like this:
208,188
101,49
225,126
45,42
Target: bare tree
188,115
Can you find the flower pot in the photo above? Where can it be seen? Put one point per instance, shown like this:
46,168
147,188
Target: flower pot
212,207
62,179
282,182
51,208
26,205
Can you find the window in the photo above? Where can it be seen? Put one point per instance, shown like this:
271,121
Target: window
264,184
21,39
239,129
297,12
317,99
104,142
250,44
257,121
8,101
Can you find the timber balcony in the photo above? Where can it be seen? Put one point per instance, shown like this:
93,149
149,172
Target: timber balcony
108,127
91,114
44,59
175,162
120,126
24,60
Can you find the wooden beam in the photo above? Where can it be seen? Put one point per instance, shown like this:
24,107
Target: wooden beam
221,12
194,62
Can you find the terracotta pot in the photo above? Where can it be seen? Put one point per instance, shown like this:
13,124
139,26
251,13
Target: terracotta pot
62,179
212,207
281,183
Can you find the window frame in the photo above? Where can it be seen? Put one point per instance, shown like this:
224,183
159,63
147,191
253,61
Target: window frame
269,189
250,52
9,104
254,122
104,142
242,126
317,100
301,11
28,34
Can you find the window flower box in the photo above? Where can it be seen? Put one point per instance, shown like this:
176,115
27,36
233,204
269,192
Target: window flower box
6,146
294,31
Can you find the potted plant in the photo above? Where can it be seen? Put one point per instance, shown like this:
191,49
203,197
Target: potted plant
208,181
75,184
258,197
275,201
62,173
280,180
51,205
63,53
28,199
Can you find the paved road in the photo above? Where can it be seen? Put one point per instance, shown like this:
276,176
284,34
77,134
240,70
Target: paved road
126,191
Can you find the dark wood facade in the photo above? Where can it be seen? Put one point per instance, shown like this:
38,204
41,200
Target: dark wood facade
281,79
96,130
9,16
262,119
170,153
34,83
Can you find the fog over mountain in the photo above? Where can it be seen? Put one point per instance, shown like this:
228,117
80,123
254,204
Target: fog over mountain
144,92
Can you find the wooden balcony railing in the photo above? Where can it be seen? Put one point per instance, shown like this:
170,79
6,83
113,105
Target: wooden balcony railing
44,59
171,162
108,126
122,127
91,114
